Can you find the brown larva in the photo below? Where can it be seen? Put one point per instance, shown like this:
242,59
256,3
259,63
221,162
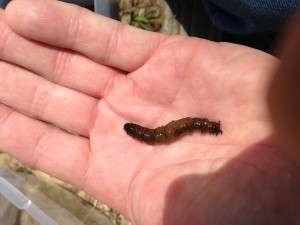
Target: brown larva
171,131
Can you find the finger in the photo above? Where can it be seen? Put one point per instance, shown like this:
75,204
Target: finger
63,67
102,39
284,93
41,99
43,146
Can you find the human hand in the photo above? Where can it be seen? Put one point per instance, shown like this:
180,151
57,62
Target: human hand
66,66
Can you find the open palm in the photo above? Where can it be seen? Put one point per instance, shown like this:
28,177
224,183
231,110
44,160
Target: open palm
65,66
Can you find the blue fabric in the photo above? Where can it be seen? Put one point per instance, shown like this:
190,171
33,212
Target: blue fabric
250,16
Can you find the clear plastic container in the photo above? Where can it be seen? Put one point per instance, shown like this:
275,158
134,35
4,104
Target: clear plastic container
25,197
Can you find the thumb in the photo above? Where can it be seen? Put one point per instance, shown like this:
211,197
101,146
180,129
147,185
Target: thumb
284,93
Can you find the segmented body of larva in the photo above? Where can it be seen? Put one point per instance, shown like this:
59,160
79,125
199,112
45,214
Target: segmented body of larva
172,130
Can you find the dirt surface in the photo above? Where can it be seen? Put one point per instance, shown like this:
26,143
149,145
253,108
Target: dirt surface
151,15
145,14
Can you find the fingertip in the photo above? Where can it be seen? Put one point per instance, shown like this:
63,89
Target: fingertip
15,14
35,19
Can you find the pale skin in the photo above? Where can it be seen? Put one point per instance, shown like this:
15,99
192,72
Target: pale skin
63,65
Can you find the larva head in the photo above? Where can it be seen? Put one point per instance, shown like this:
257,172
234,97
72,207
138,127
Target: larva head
214,128
130,129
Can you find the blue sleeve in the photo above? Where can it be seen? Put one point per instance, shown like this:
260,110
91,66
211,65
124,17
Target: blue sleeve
250,16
